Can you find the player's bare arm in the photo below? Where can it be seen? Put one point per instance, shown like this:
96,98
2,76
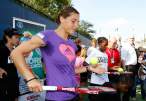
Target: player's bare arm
18,57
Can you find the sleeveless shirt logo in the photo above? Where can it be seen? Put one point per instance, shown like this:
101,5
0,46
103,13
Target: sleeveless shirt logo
103,59
67,51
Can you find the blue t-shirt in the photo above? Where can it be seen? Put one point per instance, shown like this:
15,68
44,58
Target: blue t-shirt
59,59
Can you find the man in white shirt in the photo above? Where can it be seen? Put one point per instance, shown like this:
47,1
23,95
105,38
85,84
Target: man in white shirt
129,61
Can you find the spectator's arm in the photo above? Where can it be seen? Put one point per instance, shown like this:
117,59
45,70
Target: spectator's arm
2,72
19,60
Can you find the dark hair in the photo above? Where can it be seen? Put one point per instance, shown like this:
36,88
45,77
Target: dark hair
101,40
65,12
9,32
79,48
77,41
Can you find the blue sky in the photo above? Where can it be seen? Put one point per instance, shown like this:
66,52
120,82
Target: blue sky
129,16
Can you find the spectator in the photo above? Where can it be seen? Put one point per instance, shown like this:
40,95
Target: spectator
9,90
129,61
113,63
142,62
99,79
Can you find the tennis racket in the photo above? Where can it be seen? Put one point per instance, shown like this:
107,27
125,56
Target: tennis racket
118,73
88,90
142,72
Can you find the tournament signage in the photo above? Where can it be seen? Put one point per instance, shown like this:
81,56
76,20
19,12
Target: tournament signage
33,59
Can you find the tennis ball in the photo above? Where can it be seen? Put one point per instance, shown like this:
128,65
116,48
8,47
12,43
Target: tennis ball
94,61
120,70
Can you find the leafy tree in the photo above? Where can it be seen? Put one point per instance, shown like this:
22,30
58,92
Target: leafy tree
49,8
85,28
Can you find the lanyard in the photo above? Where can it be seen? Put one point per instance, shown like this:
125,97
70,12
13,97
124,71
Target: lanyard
111,53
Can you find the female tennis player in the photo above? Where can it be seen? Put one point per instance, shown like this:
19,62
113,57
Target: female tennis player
58,53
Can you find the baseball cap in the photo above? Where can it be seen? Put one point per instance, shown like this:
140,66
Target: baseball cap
11,32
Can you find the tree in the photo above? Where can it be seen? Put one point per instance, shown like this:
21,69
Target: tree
85,28
49,8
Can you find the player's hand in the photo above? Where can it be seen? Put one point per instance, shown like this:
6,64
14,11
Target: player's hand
2,72
35,85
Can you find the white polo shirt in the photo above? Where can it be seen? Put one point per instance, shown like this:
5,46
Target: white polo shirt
128,54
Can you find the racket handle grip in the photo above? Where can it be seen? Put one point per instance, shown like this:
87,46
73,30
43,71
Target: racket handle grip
50,88
117,73
58,88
